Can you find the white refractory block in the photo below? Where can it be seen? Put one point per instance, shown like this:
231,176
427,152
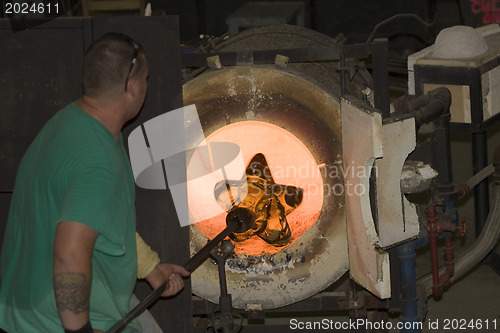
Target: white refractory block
458,46
362,137
459,42
380,150
397,217
412,59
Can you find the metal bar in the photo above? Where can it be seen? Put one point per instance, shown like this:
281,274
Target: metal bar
481,191
489,122
204,253
465,127
489,65
324,301
476,96
440,75
343,88
442,153
296,55
190,266
380,50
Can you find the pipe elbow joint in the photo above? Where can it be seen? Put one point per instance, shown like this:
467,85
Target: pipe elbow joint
442,94
436,108
437,290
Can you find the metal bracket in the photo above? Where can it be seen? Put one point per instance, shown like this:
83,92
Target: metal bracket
281,61
244,58
223,321
214,62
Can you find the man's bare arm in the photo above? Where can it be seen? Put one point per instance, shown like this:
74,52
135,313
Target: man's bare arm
72,275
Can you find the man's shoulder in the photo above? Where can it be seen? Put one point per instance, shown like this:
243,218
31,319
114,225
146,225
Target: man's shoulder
67,121
74,128
70,138
70,116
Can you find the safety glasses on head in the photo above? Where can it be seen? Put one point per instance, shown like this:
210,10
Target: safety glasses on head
134,60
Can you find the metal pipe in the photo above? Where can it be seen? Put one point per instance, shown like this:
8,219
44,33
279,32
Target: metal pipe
464,189
480,176
225,317
398,16
477,252
431,106
433,236
481,191
442,156
483,245
380,49
237,220
434,107
440,279
410,311
425,108
449,263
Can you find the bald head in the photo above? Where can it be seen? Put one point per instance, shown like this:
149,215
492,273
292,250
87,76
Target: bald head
109,63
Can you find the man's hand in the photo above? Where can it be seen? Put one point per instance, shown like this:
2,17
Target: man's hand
170,273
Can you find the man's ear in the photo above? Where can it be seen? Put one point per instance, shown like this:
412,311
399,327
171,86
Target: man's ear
132,86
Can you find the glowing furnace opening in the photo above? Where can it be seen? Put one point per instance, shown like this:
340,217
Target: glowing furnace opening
294,172
265,202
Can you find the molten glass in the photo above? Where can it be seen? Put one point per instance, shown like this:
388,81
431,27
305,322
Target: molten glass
294,165
269,202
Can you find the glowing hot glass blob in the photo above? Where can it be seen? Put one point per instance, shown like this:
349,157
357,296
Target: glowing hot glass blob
290,163
265,201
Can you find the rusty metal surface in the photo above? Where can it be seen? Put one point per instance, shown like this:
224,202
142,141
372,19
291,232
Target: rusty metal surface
324,74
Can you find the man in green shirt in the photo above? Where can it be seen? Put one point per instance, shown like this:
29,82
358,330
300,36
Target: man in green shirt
69,258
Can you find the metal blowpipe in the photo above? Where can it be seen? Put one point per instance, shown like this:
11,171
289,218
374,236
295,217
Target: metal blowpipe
237,220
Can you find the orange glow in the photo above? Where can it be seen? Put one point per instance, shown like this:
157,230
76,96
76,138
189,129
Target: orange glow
290,163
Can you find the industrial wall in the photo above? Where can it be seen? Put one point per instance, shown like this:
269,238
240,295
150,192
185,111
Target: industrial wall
355,19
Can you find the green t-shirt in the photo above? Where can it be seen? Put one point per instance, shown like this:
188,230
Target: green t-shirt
73,171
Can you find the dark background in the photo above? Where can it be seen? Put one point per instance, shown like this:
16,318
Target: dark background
45,75
41,73
355,19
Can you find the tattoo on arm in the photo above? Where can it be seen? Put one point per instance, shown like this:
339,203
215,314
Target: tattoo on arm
72,292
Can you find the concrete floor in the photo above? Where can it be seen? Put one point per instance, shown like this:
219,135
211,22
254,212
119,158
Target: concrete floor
474,298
